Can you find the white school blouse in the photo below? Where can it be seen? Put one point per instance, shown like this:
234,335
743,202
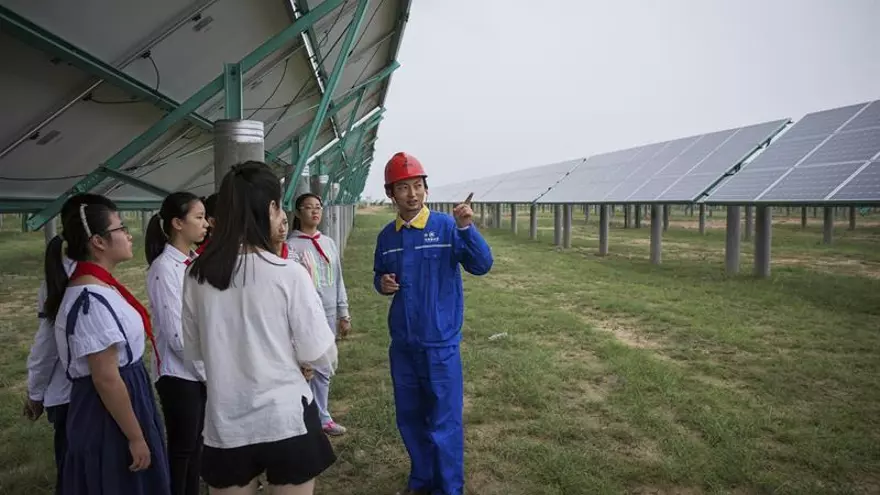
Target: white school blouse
165,292
96,329
47,382
253,337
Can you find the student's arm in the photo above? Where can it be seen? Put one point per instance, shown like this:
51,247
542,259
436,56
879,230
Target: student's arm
43,357
313,340
472,250
342,310
192,350
166,301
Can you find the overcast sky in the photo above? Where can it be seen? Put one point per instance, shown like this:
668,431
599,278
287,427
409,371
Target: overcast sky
488,86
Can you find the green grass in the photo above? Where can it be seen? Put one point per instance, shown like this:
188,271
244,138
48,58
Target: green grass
616,376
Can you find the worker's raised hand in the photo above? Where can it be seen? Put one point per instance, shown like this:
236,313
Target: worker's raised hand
389,284
464,215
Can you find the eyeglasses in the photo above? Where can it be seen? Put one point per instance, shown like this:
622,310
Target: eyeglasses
311,208
123,228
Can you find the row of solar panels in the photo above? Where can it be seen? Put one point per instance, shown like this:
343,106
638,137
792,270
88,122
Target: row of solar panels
827,156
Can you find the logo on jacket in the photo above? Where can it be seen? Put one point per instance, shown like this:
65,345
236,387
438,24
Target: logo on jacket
431,236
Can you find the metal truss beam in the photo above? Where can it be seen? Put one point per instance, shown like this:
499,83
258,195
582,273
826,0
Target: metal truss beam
344,52
134,181
186,108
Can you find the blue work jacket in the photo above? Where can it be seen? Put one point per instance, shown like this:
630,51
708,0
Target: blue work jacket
428,310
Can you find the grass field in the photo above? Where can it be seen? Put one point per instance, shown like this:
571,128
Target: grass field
615,376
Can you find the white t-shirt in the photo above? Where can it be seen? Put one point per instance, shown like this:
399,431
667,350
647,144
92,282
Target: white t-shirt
96,329
252,339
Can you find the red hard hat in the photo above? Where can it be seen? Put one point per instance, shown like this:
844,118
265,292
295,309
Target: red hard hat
403,166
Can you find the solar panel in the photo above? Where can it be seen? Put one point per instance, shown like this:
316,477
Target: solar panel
821,158
680,170
522,186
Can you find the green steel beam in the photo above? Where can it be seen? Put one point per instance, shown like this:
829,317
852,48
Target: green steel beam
232,87
344,52
134,181
186,108
41,39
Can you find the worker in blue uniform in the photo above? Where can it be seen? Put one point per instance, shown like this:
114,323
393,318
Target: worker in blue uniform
417,262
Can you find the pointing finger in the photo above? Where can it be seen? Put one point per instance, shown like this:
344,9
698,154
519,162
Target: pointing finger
469,198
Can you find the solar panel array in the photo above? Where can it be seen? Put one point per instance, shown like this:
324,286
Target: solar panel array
522,186
828,156
677,171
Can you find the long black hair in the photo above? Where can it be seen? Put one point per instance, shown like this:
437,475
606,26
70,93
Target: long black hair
243,202
97,212
175,205
299,201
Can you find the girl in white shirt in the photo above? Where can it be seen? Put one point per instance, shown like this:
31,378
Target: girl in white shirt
115,439
320,256
255,319
168,243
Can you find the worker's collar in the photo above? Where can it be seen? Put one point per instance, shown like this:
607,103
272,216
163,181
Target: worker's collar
420,221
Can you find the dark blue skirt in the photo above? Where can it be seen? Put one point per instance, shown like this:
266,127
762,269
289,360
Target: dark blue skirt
98,457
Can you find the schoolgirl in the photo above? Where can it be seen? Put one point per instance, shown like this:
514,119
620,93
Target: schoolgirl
210,203
170,236
254,319
48,386
320,256
114,435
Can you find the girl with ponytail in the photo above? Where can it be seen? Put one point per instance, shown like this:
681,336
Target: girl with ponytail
171,234
114,434
256,320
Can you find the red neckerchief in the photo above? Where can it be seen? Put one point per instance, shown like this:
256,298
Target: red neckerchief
84,268
201,248
285,251
315,243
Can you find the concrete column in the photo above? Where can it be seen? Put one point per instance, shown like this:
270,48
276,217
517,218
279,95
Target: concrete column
731,248
236,141
828,225
513,226
566,226
852,218
763,234
804,217
482,214
639,209
533,221
627,217
656,233
497,212
603,230
557,225
750,227
50,229
702,219
586,213
666,217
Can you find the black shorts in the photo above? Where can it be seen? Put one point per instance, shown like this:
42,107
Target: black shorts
292,461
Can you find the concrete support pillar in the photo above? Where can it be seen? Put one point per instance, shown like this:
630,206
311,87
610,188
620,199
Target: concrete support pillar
639,210
804,217
702,219
731,247
603,230
656,233
852,218
557,225
828,225
627,217
497,213
482,214
763,234
750,227
586,213
236,141
533,221
513,220
566,226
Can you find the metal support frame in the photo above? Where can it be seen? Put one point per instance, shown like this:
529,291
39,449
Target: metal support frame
557,225
341,59
603,230
134,181
566,226
513,220
232,86
178,112
656,232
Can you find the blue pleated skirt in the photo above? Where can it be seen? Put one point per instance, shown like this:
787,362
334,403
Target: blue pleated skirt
98,456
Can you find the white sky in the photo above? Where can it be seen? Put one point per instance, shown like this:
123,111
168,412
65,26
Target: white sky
488,86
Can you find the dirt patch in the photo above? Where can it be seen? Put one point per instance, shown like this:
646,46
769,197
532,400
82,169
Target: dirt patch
623,329
860,268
